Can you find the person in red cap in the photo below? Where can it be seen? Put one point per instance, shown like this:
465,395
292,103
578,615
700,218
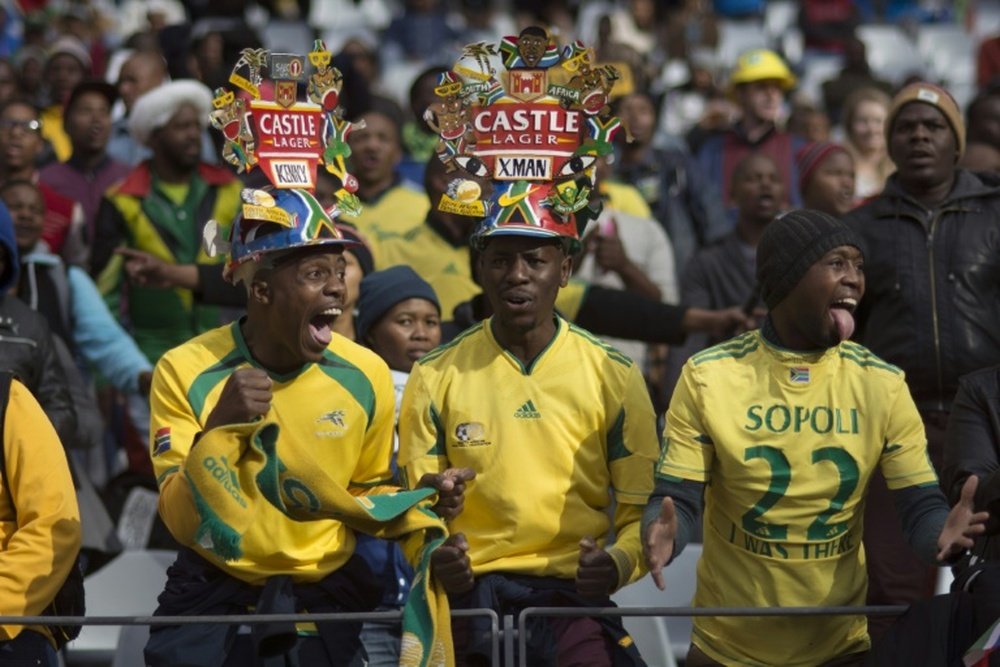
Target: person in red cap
933,304
826,177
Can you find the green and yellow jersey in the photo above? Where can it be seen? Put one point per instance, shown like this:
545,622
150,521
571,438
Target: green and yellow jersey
786,443
390,221
547,442
339,410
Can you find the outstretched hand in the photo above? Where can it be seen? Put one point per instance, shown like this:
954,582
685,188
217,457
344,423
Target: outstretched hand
596,574
658,542
451,566
450,486
963,523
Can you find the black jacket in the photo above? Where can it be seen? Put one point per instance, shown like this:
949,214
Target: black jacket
26,350
973,448
932,295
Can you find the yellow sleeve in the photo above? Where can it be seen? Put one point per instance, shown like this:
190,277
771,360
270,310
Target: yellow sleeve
40,547
373,473
571,297
904,460
688,449
421,445
172,429
632,453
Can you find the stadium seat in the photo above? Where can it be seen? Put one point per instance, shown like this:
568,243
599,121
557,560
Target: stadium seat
127,586
779,16
891,53
679,578
735,37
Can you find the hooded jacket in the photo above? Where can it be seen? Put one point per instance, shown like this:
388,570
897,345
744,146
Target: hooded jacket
26,347
932,294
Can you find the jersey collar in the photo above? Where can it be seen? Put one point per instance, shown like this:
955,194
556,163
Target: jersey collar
561,329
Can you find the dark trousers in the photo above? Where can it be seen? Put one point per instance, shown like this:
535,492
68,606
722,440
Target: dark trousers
28,648
895,574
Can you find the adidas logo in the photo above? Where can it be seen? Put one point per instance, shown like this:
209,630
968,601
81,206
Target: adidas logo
527,411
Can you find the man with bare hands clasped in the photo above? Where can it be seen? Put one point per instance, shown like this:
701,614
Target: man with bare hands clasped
780,430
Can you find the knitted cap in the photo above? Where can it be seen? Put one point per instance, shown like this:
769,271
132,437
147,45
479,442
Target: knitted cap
811,156
791,244
382,290
937,97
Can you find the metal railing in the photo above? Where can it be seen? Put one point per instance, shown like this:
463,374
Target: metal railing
508,634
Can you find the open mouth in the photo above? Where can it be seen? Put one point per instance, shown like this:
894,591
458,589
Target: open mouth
516,301
842,313
321,325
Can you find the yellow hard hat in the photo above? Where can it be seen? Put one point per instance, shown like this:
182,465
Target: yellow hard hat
761,65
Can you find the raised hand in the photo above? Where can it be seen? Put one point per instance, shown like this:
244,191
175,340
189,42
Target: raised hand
246,396
658,542
596,574
450,486
451,566
963,523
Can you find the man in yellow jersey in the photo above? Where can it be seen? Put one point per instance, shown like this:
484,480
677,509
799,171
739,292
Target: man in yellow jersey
334,405
559,429
781,430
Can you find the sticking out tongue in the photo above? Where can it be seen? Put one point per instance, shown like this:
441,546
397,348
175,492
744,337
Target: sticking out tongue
844,322
321,333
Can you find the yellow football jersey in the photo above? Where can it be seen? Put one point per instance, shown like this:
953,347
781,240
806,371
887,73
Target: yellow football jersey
786,443
389,220
551,445
340,410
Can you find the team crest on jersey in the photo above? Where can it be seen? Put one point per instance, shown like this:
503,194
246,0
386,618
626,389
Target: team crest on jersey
799,374
471,434
336,420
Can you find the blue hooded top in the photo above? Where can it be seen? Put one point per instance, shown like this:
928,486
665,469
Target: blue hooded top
10,271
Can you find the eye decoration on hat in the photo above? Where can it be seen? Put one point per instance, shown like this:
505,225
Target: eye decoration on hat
287,139
537,140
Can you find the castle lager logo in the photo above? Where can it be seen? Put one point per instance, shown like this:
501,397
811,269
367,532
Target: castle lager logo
289,141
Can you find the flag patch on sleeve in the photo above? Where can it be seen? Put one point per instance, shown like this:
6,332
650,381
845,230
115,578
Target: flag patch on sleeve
161,441
799,374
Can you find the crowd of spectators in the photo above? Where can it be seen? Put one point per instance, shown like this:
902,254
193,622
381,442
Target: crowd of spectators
735,111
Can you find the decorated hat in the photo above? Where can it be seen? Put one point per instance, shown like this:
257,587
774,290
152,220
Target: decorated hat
536,137
266,126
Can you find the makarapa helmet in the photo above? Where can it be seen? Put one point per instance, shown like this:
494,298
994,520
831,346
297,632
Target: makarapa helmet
273,221
521,208
761,65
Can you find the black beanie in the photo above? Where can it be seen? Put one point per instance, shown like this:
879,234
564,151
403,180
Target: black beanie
791,244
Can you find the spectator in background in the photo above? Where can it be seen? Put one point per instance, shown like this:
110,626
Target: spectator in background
988,62
933,304
759,82
972,447
684,202
980,157
633,253
10,85
357,264
140,73
89,171
808,122
399,319
419,141
392,207
722,275
865,111
39,525
826,178
21,138
158,212
827,25
683,107
421,33
982,118
68,298
68,64
853,75
26,347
